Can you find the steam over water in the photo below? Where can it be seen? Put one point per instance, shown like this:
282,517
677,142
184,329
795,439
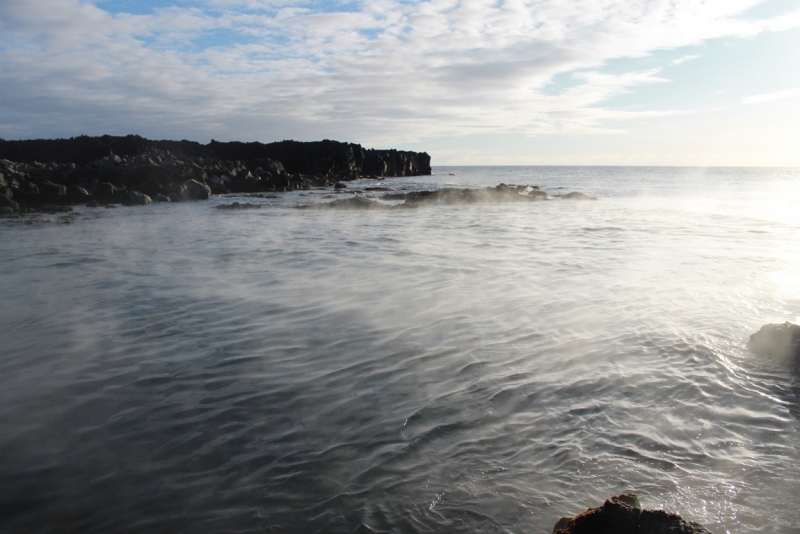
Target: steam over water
475,368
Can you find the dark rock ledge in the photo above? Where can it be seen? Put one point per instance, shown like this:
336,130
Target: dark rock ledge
52,174
623,514
449,196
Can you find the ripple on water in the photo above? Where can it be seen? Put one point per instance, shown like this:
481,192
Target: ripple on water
465,369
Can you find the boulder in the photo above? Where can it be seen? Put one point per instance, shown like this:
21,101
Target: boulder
77,194
161,198
340,185
777,341
7,212
53,192
27,186
6,202
105,192
134,198
196,191
2,180
623,514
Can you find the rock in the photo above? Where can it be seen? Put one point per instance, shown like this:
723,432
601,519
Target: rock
622,514
340,185
135,198
196,191
575,195
354,203
53,192
161,198
92,204
77,194
6,202
26,186
238,206
777,341
5,211
2,180
105,192
500,194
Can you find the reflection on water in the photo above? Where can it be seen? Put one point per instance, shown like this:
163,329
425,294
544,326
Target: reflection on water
449,369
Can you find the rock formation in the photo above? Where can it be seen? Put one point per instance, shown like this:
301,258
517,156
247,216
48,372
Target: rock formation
54,173
622,514
777,341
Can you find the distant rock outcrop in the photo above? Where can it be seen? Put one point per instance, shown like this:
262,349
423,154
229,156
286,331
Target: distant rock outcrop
622,514
59,172
448,196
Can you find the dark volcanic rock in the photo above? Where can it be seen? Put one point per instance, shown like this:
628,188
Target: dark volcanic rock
8,203
778,341
53,192
105,165
575,195
396,163
77,195
161,198
105,192
239,206
353,203
622,514
134,198
195,191
501,193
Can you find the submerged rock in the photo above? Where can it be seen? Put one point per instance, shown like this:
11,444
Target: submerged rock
623,514
501,193
353,203
575,195
777,341
239,206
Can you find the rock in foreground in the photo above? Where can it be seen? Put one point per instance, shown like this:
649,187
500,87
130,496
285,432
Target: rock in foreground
777,341
622,514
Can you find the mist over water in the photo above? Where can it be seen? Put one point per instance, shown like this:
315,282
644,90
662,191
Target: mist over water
475,368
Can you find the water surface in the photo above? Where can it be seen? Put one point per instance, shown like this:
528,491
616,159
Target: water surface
478,368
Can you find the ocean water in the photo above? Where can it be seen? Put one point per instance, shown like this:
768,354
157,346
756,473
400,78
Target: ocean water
474,368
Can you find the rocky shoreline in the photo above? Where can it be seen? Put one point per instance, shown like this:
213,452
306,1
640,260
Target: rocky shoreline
51,175
624,514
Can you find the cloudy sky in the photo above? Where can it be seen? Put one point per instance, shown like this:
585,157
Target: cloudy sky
621,82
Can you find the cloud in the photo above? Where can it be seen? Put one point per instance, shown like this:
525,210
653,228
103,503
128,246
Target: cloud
683,59
380,72
769,97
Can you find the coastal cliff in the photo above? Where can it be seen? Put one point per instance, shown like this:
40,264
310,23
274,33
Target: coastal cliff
46,174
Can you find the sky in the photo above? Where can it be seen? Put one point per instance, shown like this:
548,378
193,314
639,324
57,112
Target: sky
472,82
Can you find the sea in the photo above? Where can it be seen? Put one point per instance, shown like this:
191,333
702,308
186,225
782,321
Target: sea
476,368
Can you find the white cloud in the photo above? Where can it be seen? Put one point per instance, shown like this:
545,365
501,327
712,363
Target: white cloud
769,97
684,59
382,72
